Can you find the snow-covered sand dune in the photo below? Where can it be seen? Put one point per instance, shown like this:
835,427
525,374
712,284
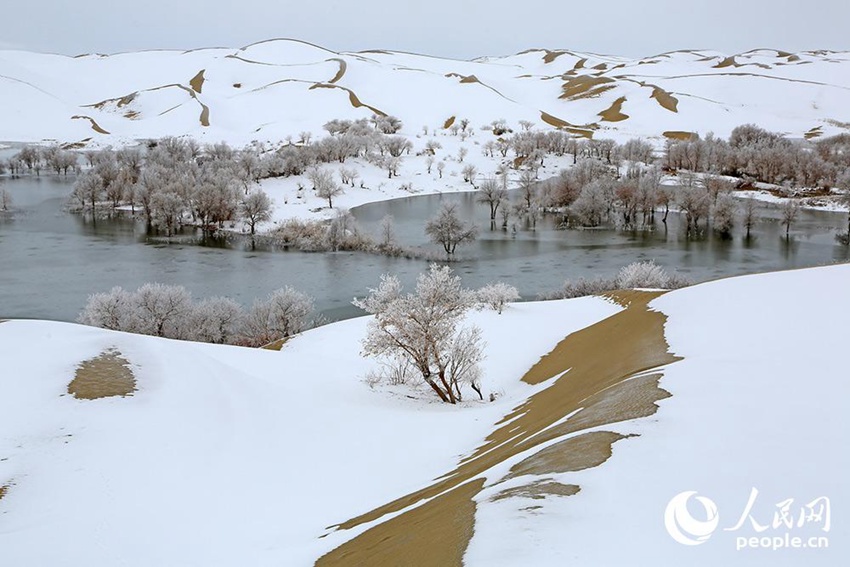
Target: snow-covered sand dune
227,456
276,88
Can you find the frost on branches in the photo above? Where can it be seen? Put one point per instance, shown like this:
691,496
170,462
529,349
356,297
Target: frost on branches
423,329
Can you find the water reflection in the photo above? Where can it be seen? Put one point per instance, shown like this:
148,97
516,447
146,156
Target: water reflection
52,260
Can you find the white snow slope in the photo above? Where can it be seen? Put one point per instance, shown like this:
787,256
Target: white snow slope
276,88
230,456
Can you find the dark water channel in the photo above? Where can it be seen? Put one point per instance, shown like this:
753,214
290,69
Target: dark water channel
51,260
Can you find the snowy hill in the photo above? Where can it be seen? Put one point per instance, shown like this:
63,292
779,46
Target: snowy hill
278,88
226,456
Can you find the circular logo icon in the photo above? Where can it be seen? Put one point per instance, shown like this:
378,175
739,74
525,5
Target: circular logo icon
683,527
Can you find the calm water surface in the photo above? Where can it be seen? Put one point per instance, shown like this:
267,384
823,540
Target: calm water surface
51,260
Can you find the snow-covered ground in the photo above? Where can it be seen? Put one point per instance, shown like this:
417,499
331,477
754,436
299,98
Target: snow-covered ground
226,455
759,401
278,88
231,456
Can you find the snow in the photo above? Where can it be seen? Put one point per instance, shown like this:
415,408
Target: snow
265,92
759,401
227,455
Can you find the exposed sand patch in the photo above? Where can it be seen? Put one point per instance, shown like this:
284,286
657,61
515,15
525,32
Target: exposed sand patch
581,131
118,102
3,490
815,132
103,376
132,114
552,55
596,370
614,112
436,534
197,82
343,66
276,345
448,123
76,145
679,135
585,86
94,125
574,454
352,98
728,62
600,67
538,490
205,115
665,99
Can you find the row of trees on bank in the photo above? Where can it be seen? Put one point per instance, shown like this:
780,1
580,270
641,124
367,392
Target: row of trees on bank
169,311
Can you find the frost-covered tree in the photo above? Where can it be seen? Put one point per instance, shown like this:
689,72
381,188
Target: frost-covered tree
790,210
527,187
5,200
423,329
497,295
694,201
88,189
469,171
281,315
215,320
163,310
325,186
387,124
749,214
591,205
255,208
387,237
448,230
167,210
725,213
492,192
115,310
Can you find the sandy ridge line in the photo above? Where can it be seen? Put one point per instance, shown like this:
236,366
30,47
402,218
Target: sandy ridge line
601,377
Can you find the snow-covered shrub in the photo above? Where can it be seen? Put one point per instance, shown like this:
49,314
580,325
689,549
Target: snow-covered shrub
591,205
642,274
497,295
216,320
636,275
163,310
114,310
582,287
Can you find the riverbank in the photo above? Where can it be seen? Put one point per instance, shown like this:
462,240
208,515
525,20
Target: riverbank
700,413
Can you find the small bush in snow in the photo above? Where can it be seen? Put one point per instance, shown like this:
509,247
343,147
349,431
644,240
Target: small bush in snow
497,295
168,311
636,275
642,274
582,287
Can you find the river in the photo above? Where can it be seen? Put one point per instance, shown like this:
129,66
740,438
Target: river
51,260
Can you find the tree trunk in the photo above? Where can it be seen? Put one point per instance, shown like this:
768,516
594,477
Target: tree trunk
448,388
437,389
